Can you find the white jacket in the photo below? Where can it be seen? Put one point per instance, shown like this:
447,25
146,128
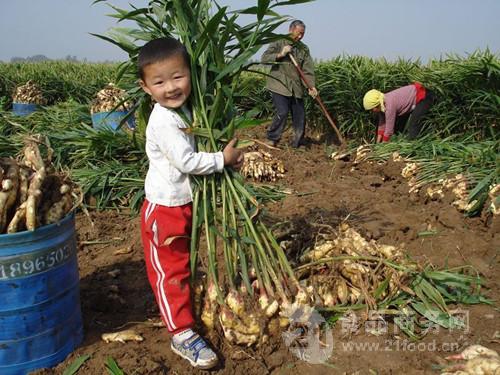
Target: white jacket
172,158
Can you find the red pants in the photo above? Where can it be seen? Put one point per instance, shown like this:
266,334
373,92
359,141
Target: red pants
166,234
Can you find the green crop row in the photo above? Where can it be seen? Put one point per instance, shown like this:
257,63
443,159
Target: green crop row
467,89
59,80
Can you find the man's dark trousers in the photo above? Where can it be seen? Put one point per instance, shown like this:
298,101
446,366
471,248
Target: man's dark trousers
282,105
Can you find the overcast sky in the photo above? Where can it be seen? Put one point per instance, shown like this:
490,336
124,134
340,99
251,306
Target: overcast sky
383,28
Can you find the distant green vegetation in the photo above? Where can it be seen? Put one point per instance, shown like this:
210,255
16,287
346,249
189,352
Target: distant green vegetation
467,89
59,80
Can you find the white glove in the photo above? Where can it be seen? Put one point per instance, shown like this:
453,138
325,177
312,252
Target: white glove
313,92
285,51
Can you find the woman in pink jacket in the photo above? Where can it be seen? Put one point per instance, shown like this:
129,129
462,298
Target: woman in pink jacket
397,105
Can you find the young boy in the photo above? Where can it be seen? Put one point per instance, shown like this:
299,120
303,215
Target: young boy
164,74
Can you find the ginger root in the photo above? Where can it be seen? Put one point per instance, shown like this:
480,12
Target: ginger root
8,193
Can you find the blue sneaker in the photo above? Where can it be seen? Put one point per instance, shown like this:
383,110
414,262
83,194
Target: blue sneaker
196,351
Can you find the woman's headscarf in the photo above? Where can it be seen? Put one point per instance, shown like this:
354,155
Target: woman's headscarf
372,99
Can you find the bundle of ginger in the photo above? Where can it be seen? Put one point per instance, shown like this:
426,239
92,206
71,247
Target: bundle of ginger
32,193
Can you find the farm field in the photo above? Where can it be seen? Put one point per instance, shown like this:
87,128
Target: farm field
373,198
315,196
360,258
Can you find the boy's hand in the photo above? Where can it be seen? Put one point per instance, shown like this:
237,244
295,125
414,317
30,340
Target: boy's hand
232,156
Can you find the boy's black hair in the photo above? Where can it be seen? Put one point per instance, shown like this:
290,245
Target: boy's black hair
158,50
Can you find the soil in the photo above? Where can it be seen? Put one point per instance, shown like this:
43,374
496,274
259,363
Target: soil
373,198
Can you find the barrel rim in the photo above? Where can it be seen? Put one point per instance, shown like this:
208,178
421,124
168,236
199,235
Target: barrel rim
109,113
46,229
25,104
111,120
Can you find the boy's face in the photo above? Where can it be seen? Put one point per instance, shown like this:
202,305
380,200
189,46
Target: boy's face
168,81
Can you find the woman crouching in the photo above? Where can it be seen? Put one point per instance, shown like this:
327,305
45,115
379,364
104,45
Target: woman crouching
406,104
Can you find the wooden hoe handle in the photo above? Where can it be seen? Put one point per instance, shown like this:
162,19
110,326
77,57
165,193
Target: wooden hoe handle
318,99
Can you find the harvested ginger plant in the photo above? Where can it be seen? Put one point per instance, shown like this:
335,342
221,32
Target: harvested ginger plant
348,273
110,98
29,93
358,271
262,166
345,270
246,319
494,195
32,193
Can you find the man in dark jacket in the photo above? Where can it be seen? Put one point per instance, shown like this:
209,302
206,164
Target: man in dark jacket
285,84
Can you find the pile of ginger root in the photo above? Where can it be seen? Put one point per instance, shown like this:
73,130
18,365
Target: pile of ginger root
32,192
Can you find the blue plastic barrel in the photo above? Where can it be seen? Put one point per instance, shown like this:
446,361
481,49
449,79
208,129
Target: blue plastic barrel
111,120
23,109
40,315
